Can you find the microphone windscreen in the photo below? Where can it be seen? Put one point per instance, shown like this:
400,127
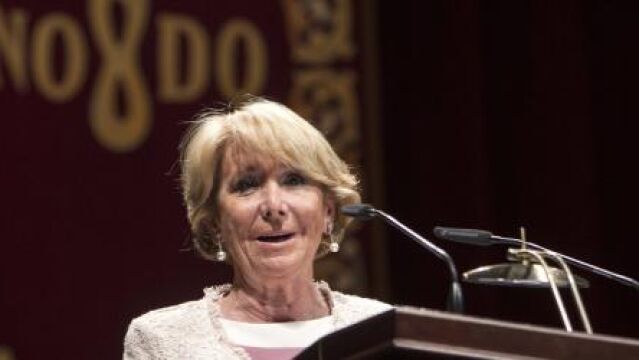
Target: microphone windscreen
359,211
468,236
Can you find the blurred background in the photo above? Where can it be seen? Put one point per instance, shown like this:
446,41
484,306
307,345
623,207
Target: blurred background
481,114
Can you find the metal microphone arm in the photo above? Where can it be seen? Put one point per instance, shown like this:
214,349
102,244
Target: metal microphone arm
576,262
484,238
455,297
365,212
421,241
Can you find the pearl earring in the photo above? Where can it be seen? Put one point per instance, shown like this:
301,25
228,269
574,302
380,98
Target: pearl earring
220,255
334,245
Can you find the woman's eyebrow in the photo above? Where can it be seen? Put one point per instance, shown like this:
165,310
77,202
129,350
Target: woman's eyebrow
248,171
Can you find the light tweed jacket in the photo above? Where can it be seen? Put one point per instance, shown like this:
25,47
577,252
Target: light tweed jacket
192,330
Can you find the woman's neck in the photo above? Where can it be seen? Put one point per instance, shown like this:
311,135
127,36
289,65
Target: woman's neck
274,301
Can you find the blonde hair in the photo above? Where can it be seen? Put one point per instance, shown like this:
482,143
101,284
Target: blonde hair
264,127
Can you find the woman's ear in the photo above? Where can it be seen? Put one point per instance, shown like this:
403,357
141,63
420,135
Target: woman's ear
213,228
329,216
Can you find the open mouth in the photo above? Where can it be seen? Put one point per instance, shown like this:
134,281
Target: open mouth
275,238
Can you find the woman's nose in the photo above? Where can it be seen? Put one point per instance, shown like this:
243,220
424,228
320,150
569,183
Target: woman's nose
273,207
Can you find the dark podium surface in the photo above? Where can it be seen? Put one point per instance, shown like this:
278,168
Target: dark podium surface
412,333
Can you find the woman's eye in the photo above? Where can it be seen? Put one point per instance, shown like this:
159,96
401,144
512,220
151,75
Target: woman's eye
245,184
294,179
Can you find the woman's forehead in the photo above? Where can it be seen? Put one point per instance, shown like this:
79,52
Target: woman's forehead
241,160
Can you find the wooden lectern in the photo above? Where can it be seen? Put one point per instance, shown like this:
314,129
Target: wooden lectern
411,333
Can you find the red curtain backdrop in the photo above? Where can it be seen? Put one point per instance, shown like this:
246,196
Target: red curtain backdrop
499,114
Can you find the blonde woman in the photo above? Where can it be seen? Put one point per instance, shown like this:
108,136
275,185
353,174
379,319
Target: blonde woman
263,189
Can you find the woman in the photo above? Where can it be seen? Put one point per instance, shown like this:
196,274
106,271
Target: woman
263,189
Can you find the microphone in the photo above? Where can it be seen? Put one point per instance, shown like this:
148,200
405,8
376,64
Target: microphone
484,238
455,302
466,236
359,211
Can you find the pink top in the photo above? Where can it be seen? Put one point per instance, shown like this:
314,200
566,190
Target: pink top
260,353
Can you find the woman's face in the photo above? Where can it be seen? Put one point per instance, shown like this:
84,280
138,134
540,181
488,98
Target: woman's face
271,217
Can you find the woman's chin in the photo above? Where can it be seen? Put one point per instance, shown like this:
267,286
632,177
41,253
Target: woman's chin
281,265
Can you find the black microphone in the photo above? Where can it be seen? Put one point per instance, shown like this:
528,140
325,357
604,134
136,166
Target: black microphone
467,236
484,238
455,302
359,211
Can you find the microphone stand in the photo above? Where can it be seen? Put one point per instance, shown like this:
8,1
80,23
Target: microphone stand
455,301
484,238
625,280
